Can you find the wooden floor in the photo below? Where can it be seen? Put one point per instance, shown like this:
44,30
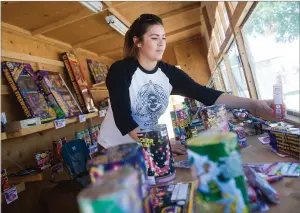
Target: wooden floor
288,188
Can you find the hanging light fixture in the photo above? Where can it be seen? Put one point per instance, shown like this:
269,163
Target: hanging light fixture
116,24
95,6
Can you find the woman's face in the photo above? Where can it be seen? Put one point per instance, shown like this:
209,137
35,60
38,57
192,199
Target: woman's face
154,43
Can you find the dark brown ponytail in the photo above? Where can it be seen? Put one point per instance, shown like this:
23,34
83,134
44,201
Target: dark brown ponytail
138,29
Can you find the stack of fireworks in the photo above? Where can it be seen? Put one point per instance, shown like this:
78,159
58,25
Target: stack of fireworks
158,155
217,167
252,125
181,121
242,140
79,82
4,180
57,147
90,137
259,188
172,198
151,163
284,139
44,159
114,161
221,184
240,131
115,191
187,121
260,175
215,118
194,109
240,114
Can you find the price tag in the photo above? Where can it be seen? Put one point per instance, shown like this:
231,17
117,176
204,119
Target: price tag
102,113
82,118
11,195
60,123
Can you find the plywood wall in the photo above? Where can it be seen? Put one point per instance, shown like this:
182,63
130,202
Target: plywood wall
21,150
191,56
31,46
169,56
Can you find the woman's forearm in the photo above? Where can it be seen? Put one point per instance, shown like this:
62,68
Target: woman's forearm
236,102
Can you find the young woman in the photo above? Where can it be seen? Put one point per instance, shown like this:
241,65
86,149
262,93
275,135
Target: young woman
140,85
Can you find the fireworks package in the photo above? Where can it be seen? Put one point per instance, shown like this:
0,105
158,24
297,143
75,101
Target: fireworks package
287,169
260,183
44,159
4,180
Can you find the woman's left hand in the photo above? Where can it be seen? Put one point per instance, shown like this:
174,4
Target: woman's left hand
264,109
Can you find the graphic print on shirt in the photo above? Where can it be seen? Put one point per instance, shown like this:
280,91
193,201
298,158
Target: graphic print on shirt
151,102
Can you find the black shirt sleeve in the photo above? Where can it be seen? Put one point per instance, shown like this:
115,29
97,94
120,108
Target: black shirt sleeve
184,85
118,83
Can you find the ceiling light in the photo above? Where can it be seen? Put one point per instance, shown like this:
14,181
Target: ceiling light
116,24
95,6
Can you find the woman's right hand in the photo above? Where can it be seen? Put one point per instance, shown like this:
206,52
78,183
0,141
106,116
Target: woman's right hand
134,134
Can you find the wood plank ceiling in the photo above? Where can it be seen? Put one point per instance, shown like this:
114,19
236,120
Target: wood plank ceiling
72,23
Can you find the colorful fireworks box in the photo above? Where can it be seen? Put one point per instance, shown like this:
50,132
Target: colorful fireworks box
172,198
44,159
94,132
84,135
79,82
4,180
55,90
22,80
98,70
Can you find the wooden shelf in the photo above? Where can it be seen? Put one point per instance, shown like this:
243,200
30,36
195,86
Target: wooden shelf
43,175
26,57
46,174
29,178
99,84
46,126
3,136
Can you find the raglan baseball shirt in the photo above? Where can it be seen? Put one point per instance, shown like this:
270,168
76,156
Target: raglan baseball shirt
138,97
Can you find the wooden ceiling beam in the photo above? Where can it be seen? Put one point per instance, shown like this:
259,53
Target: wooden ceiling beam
95,39
82,14
111,34
189,8
117,50
117,4
116,13
183,29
